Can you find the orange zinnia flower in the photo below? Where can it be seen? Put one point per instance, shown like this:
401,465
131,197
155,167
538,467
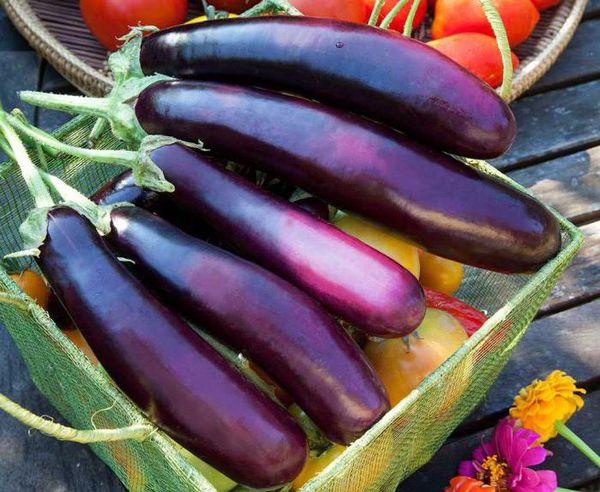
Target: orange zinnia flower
543,403
468,484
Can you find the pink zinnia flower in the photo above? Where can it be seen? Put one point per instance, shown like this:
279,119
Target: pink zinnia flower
504,461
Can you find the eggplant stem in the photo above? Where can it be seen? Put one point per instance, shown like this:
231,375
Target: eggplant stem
139,432
123,157
376,12
30,173
392,14
96,106
495,21
408,25
271,6
96,131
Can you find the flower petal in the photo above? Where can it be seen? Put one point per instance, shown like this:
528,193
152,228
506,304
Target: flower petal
466,469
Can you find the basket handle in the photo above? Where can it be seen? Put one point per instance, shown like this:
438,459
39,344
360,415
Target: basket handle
138,432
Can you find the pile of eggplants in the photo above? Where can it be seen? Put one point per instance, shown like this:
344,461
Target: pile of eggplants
358,117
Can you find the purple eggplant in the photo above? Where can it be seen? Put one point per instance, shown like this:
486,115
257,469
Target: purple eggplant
273,323
172,374
437,202
380,74
348,277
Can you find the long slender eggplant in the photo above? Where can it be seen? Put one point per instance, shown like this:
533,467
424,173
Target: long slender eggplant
276,325
180,381
350,278
380,74
437,202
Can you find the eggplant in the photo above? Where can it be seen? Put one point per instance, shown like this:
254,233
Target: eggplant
171,373
380,74
277,326
435,201
348,277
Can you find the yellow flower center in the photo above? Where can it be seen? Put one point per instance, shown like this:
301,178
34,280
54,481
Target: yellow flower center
493,472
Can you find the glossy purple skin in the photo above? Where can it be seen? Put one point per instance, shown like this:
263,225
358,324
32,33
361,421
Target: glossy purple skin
174,376
273,323
380,74
437,202
348,277
314,206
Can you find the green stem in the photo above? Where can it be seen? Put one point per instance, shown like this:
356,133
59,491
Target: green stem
95,106
123,157
17,113
411,17
30,173
271,6
96,131
576,441
561,489
376,12
392,14
495,21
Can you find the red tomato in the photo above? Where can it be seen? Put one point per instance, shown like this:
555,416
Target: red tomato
233,6
349,10
478,53
468,316
398,22
110,19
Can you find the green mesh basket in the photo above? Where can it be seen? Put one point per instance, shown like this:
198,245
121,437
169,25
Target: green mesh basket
395,447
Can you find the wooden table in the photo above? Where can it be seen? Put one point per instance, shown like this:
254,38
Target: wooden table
557,155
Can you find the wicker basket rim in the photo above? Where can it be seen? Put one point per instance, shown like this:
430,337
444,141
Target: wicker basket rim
92,81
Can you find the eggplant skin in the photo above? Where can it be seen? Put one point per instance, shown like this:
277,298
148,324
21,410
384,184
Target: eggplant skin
351,279
435,201
273,323
174,376
380,74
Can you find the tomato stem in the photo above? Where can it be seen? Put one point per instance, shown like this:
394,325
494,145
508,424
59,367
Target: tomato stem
408,25
376,12
271,6
392,14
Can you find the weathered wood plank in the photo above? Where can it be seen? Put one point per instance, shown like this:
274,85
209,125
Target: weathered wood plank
581,280
572,468
32,461
580,62
570,184
566,340
592,9
10,39
554,123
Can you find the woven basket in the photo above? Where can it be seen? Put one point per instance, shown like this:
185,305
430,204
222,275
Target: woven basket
56,30
395,447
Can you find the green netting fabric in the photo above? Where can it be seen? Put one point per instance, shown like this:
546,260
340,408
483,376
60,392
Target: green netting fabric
402,441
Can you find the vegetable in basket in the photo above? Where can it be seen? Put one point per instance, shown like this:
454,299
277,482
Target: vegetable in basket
444,206
353,280
441,204
34,285
380,74
470,318
177,378
270,321
403,363
109,20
